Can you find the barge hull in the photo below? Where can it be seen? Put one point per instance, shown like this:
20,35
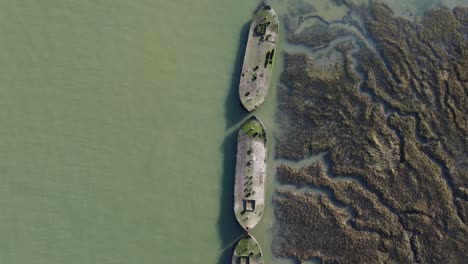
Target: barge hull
258,59
247,251
249,188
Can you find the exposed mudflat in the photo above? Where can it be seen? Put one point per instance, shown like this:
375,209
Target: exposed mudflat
386,101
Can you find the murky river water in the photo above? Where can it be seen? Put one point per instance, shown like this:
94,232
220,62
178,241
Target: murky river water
118,122
113,116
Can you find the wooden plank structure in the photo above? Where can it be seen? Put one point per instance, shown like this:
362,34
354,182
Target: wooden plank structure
247,251
258,59
249,188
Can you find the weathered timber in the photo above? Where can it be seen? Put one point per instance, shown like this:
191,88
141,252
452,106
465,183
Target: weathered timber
249,188
258,59
247,251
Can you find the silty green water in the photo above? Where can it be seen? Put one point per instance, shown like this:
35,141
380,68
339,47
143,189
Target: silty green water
116,122
118,126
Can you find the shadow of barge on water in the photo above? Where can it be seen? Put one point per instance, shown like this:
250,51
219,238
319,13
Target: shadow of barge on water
229,230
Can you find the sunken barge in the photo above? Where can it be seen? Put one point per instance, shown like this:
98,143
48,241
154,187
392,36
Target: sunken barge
258,59
249,188
247,251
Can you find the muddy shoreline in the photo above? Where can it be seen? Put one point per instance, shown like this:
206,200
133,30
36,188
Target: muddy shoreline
387,104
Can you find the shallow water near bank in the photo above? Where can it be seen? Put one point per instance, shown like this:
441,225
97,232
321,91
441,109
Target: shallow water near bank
115,119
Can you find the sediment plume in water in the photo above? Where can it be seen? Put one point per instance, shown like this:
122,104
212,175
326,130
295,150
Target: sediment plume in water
386,100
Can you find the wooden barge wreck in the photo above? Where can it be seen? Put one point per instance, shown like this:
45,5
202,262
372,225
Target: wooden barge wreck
247,251
249,188
258,59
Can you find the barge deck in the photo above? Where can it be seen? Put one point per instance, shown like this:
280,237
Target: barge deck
249,188
258,59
